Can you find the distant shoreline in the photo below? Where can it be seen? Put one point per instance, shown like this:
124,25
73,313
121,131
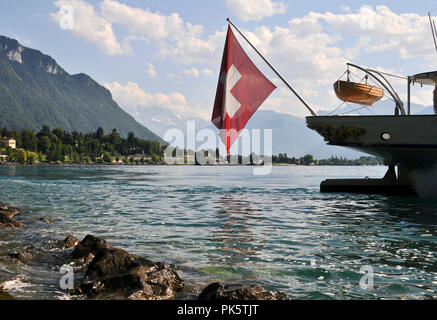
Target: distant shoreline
10,164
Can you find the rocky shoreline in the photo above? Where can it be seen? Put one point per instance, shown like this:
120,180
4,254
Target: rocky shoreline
109,272
7,214
5,296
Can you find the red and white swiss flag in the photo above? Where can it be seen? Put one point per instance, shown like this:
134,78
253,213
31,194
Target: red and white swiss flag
241,90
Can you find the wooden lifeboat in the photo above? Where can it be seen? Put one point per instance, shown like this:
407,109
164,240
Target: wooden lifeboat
359,93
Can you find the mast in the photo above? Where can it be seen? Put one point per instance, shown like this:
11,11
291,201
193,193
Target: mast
433,30
409,95
274,70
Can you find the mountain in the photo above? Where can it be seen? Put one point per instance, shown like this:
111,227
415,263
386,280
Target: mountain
290,134
36,91
384,107
428,110
160,119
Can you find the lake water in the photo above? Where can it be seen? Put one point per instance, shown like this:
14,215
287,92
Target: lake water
225,224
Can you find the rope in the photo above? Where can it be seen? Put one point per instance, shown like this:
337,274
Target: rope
355,75
343,74
357,109
341,104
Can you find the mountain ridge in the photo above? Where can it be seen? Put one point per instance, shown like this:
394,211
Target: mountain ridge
290,133
35,91
304,141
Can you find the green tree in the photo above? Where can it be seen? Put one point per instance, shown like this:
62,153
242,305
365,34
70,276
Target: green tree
99,133
107,158
29,141
45,131
44,144
131,138
21,156
32,157
59,133
156,158
308,159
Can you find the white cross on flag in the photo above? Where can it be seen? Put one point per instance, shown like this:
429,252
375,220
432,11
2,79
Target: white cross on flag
241,90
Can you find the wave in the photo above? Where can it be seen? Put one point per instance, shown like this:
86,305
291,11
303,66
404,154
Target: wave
19,283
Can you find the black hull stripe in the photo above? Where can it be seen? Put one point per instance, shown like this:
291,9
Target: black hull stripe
380,145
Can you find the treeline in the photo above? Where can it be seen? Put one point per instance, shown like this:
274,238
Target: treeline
75,147
282,158
362,161
59,146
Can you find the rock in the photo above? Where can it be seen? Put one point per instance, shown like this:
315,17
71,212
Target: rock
7,213
5,295
10,211
88,248
7,221
217,291
70,242
17,256
115,272
210,292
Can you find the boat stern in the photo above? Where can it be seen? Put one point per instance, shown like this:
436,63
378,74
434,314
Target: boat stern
410,141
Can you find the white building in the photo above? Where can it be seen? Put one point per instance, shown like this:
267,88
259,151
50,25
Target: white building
10,142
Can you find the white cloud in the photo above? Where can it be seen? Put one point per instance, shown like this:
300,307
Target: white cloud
92,27
131,95
193,72
21,40
196,73
176,39
181,41
132,98
151,70
140,21
346,8
423,97
407,33
207,72
247,10
313,50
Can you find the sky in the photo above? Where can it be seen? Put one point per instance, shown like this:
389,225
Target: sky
167,53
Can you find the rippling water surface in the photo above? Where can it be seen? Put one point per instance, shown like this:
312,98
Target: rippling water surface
225,224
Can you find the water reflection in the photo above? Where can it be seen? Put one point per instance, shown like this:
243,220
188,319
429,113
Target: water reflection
234,238
396,236
80,173
229,226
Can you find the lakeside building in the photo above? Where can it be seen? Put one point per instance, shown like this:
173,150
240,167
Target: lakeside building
9,142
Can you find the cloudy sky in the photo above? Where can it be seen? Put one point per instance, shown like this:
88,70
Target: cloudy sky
167,53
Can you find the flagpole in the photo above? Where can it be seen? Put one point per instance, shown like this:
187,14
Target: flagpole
274,70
